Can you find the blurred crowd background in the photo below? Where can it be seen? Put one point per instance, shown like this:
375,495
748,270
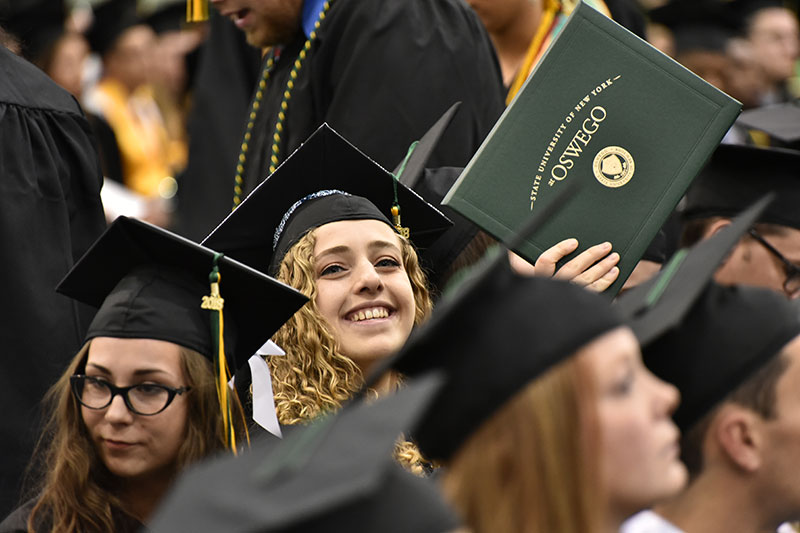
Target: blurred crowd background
133,66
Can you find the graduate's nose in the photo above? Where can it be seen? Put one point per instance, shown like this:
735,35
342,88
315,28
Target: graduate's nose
368,279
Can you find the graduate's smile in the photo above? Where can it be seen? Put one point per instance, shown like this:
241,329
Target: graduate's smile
363,290
369,313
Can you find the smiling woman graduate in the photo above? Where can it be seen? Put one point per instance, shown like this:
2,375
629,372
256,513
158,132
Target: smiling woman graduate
148,393
321,223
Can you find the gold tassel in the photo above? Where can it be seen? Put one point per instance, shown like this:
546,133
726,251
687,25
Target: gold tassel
215,303
397,224
196,10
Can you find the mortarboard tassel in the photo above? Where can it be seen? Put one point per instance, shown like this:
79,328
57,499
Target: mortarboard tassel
196,10
404,231
215,303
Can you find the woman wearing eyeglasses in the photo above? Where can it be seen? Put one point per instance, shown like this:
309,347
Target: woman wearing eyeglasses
145,396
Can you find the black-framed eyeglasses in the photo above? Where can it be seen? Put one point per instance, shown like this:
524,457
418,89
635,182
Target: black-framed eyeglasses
144,399
791,284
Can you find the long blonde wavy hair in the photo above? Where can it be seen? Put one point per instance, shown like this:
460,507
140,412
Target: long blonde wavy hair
76,492
314,378
532,467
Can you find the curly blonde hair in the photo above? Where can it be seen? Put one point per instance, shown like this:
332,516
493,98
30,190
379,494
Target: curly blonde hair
314,378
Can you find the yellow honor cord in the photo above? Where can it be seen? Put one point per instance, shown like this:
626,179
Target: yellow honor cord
549,15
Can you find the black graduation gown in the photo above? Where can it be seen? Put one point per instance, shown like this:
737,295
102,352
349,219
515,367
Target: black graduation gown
380,73
50,212
17,522
226,75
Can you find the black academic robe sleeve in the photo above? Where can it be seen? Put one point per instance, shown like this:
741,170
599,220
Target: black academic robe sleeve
50,212
387,69
381,72
226,75
17,521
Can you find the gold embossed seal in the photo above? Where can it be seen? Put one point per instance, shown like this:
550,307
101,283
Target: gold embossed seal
613,166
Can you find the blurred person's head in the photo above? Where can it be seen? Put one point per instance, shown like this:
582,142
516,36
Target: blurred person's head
746,80
774,35
661,37
65,62
702,49
130,58
125,45
175,40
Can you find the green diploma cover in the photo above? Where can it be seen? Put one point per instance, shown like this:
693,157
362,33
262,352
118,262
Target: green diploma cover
608,111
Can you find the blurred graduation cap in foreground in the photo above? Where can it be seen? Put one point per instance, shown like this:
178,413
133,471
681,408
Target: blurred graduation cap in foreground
704,338
781,122
337,474
327,179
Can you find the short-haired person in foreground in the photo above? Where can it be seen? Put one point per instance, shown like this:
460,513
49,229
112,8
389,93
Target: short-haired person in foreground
769,255
147,394
548,420
734,354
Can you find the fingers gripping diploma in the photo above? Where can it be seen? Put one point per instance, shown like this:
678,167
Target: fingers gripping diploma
595,268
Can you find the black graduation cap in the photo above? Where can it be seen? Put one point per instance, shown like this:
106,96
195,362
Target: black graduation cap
165,15
439,256
727,335
149,283
306,191
697,25
111,19
687,13
337,474
410,170
737,175
433,184
779,121
704,338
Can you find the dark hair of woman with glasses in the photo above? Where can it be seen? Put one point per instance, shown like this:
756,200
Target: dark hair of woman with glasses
148,393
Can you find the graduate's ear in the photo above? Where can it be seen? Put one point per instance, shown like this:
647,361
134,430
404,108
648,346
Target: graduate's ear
736,431
714,227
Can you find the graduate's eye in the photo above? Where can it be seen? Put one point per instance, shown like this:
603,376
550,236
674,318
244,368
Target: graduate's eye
623,385
388,262
331,270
